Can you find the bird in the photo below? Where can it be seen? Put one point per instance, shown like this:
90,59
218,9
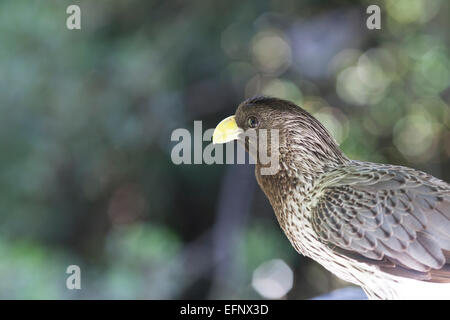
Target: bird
385,228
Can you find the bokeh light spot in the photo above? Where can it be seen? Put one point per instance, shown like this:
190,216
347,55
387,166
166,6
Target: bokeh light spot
414,136
271,52
273,279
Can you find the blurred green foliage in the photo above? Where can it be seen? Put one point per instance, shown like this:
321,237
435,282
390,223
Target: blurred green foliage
86,116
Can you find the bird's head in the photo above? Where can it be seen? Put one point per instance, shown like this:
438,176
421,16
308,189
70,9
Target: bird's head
303,142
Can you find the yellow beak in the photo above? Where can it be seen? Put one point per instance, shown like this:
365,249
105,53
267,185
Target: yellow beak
226,130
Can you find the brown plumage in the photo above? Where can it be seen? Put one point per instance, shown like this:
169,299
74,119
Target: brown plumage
382,227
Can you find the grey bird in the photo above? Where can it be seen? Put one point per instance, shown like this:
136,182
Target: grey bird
383,227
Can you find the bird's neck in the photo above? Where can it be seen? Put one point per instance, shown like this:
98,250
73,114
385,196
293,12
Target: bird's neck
302,157
296,173
299,172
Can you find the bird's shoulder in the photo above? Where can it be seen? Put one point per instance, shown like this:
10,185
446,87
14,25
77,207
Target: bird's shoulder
380,176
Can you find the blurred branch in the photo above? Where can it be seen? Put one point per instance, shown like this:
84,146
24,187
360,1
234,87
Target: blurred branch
233,209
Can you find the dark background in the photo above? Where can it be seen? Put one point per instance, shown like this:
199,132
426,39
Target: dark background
86,116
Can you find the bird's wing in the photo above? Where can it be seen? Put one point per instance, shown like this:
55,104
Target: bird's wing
394,217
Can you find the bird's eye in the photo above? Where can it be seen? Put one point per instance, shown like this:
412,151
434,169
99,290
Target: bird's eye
252,122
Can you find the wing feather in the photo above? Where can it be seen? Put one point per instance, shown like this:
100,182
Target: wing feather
395,217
